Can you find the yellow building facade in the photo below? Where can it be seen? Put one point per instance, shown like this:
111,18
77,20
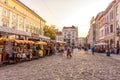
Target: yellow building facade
14,14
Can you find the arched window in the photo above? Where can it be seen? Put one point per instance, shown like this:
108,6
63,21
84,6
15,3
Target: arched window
111,28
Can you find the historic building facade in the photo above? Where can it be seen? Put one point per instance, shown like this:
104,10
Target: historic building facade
117,23
92,33
59,36
109,30
81,41
70,35
15,15
104,29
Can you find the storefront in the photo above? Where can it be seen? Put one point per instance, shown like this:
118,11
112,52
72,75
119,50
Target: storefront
7,37
34,37
13,33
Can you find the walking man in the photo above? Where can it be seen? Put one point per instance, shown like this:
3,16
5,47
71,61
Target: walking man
92,50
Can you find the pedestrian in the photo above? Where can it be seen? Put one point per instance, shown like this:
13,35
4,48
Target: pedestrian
72,48
115,50
63,48
30,54
118,50
86,49
69,52
61,51
108,52
92,50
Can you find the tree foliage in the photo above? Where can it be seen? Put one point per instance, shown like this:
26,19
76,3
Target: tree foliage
50,31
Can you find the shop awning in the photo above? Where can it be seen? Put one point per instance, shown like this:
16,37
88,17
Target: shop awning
40,42
44,37
100,44
13,31
61,42
24,41
6,39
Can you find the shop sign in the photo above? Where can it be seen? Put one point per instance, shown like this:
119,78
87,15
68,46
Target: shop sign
35,35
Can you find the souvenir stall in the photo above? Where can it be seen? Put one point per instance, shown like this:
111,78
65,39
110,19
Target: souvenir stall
6,48
60,44
40,47
24,49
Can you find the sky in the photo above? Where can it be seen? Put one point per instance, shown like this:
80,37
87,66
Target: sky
68,12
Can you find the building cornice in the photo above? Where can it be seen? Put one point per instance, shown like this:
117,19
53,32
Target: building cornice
22,4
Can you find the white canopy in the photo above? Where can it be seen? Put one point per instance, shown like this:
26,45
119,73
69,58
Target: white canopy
100,44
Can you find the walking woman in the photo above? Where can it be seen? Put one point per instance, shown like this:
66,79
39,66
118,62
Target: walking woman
69,52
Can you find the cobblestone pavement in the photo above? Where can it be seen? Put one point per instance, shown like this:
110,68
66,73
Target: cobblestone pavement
82,66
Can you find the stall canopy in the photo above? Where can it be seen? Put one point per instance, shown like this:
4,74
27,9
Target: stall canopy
60,42
6,39
24,41
100,44
13,31
40,42
44,37
54,41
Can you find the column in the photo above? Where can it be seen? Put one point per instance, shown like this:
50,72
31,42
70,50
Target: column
10,20
1,16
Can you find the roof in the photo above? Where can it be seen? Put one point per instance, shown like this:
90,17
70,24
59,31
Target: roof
70,27
29,9
13,31
59,33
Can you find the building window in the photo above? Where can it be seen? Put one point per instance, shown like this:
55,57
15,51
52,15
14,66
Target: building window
5,24
102,32
13,27
116,10
14,16
111,15
14,7
107,18
111,28
107,30
64,36
5,12
6,2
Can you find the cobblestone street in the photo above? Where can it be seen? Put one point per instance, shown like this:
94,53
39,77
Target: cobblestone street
81,66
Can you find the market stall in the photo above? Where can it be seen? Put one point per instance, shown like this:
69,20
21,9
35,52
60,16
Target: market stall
24,49
40,47
6,46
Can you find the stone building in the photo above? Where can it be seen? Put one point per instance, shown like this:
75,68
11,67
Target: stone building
59,36
19,21
82,41
70,35
117,23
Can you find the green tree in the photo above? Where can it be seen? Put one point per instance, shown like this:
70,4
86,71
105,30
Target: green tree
50,31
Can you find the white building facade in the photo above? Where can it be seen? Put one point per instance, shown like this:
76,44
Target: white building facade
59,36
70,35
81,41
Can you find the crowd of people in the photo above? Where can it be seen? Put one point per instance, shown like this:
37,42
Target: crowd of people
101,49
